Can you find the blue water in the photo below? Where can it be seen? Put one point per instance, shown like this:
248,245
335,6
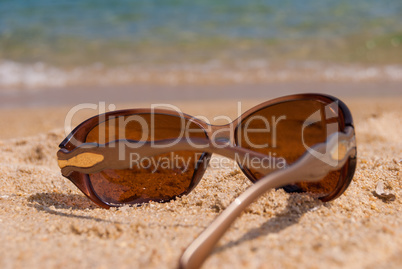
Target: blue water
65,43
75,33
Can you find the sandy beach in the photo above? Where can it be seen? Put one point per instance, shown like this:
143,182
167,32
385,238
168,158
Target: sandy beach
202,57
46,222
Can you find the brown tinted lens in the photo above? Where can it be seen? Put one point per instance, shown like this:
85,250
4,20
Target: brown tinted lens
157,178
280,130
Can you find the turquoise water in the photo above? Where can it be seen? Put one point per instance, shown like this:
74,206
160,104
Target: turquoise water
67,34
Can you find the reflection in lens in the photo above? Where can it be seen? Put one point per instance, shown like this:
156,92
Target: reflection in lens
158,178
284,137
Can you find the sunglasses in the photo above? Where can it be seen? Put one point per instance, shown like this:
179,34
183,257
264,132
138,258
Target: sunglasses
301,143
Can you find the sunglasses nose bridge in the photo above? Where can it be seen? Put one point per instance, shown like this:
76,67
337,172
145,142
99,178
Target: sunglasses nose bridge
221,133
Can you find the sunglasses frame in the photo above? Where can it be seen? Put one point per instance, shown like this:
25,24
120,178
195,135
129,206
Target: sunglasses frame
79,135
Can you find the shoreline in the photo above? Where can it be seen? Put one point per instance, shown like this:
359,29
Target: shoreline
170,93
35,77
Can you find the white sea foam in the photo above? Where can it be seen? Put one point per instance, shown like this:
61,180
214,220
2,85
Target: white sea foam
39,75
18,75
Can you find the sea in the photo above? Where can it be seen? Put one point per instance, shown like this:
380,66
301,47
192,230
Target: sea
64,43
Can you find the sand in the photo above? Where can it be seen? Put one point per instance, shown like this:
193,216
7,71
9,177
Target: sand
46,222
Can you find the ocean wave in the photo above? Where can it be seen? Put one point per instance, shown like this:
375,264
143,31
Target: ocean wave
32,77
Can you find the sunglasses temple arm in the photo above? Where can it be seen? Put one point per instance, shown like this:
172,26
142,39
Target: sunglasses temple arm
92,158
307,168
